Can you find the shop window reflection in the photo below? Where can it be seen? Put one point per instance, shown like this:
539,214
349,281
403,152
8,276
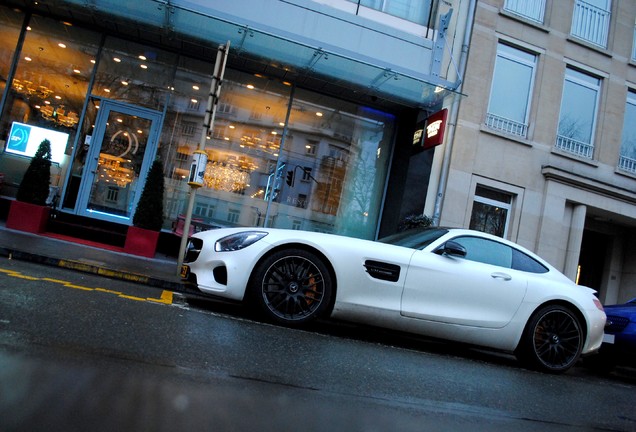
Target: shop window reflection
135,73
337,151
50,84
9,32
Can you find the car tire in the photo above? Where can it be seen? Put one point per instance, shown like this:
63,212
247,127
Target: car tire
552,340
291,287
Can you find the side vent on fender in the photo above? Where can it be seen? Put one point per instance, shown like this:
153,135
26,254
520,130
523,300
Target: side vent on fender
383,271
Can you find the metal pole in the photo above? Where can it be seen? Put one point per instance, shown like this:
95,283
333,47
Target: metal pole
208,125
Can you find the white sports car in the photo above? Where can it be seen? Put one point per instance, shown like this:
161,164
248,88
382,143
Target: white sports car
453,284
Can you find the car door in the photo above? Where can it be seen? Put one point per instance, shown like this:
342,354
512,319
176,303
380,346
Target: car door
480,289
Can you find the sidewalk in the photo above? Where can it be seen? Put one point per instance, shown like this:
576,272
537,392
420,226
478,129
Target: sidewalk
160,271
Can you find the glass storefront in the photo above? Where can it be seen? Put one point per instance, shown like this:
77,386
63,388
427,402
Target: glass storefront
278,156
47,93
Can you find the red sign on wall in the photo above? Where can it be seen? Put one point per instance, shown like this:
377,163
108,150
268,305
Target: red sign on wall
434,129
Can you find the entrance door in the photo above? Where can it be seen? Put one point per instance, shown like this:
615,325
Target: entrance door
121,150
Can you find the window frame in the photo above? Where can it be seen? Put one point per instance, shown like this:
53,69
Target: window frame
494,203
491,118
579,20
586,149
516,192
512,6
625,162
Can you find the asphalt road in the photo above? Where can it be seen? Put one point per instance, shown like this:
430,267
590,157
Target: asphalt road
81,352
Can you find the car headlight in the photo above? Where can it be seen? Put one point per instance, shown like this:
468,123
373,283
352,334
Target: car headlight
238,241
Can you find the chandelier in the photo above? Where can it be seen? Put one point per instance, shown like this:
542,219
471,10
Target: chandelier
226,176
54,114
113,169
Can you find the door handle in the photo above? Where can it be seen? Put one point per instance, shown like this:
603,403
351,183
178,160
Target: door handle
499,275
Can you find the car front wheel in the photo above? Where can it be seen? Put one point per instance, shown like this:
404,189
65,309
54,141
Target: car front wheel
292,286
552,340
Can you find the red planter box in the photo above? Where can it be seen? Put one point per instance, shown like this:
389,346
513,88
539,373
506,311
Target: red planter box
140,241
28,217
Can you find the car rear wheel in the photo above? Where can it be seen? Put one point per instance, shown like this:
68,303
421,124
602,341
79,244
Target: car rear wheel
552,341
292,286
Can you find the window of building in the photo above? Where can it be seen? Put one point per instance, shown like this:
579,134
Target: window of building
533,10
491,211
417,11
301,202
112,194
188,128
233,216
310,148
194,104
306,176
627,160
510,95
591,20
204,210
577,118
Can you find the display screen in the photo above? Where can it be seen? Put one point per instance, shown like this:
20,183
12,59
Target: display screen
25,139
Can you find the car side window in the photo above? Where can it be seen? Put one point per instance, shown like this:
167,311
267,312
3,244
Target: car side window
523,262
486,251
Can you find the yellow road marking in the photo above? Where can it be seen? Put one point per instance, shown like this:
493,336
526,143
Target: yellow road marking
166,296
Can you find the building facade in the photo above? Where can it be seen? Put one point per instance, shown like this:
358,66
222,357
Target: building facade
313,130
545,146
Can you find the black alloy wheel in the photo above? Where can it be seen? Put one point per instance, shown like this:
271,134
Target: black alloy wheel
292,286
552,341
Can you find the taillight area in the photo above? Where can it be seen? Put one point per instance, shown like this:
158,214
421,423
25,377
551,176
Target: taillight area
598,304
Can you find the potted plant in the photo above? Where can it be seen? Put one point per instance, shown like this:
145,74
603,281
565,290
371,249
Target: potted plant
143,235
29,211
415,221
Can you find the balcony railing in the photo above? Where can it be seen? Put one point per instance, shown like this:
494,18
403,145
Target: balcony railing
627,164
505,125
533,10
590,23
575,147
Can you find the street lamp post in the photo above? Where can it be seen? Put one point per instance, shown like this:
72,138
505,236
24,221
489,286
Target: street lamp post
199,156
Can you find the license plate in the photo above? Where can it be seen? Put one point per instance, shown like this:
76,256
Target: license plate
608,338
185,271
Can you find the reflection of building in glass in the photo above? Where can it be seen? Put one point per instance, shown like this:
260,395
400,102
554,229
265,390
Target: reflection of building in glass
127,87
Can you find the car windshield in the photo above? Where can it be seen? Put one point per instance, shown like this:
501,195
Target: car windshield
416,238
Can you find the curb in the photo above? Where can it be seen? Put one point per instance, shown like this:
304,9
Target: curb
94,269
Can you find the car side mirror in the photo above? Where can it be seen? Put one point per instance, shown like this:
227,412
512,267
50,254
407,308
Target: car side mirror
453,248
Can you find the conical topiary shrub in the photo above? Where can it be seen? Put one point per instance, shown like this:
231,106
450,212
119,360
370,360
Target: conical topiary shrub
142,237
29,211
34,188
149,213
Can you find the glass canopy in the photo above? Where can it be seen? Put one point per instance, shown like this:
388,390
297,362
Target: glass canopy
289,58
